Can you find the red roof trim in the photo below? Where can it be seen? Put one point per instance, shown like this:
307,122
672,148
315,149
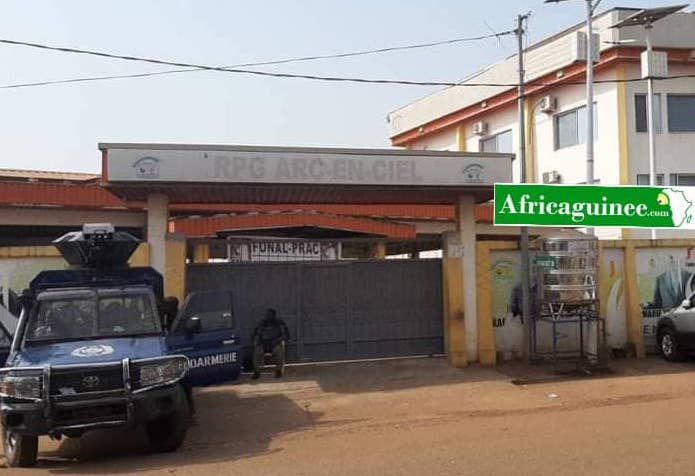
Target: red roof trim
209,226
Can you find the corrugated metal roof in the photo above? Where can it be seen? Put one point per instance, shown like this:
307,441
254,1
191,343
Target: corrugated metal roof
210,226
64,195
46,175
92,195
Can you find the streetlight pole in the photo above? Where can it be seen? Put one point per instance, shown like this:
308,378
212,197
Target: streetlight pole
524,238
589,94
650,70
591,6
650,119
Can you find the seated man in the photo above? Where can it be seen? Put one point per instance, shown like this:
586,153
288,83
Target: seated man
270,336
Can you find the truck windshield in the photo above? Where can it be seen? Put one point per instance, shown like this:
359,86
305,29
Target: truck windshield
92,314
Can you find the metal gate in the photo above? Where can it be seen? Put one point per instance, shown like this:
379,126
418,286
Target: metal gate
337,310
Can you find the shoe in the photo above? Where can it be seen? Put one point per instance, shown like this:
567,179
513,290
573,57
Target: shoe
256,375
278,373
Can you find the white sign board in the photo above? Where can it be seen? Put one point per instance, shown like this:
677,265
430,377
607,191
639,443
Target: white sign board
284,250
303,166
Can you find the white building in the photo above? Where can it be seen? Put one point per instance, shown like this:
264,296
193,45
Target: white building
484,118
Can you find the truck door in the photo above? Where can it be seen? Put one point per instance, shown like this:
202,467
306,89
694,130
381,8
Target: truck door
8,326
206,332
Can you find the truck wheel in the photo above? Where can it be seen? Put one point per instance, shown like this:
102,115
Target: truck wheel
668,345
167,434
20,450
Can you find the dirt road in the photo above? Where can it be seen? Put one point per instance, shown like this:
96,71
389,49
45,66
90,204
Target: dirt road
417,417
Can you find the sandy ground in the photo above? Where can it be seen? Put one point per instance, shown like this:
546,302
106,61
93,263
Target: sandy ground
416,417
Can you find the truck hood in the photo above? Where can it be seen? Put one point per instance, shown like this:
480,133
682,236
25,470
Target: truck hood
90,351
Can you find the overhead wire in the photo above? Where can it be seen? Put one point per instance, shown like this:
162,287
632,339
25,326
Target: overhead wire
236,70
493,34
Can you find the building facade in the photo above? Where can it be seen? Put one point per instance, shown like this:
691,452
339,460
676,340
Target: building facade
484,118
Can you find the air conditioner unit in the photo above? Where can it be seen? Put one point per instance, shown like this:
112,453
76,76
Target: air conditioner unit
578,46
548,104
480,128
552,176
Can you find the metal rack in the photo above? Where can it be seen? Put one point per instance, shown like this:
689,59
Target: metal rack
567,324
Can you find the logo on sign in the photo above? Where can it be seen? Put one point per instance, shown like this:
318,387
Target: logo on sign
93,350
147,168
473,173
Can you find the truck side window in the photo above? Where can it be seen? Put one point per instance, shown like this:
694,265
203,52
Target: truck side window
214,308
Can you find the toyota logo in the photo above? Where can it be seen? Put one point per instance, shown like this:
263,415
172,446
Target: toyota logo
90,381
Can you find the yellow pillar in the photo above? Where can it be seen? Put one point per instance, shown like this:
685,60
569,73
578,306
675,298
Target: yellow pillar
379,250
487,354
201,253
461,138
623,151
530,142
175,271
635,337
141,256
452,282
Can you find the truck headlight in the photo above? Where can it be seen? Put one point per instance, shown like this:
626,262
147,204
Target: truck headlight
152,373
21,385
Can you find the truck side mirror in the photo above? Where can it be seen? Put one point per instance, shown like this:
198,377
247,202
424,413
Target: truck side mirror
26,299
168,309
193,325
686,304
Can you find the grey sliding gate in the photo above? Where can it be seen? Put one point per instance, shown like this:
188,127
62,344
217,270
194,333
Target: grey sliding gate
337,310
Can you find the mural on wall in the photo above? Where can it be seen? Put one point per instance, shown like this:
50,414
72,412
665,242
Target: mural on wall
506,302
665,276
612,292
16,273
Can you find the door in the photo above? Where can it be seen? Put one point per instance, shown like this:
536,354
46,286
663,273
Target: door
8,326
206,332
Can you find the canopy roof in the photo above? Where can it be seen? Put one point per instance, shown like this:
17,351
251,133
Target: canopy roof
266,175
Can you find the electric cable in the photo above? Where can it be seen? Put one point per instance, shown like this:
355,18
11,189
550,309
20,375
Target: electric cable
284,75
493,34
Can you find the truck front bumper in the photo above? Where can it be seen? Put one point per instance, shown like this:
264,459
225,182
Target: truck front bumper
80,413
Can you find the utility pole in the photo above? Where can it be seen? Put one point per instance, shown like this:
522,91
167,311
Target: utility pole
525,265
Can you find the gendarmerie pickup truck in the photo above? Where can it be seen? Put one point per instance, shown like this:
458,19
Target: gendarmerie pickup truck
97,346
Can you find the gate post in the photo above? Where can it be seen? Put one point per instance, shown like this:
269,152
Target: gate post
157,227
201,253
459,280
465,220
175,272
452,290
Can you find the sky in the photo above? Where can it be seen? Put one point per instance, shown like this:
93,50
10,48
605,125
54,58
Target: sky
58,127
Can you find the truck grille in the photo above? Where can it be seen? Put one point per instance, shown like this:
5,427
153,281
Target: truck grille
114,412
86,380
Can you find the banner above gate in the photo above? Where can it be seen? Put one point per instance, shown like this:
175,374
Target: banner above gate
133,163
594,206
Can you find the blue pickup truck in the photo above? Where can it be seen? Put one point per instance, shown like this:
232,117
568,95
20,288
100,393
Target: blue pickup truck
97,345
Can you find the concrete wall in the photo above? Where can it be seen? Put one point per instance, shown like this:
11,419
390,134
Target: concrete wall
628,276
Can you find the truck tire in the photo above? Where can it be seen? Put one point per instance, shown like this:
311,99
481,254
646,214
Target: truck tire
20,450
168,433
